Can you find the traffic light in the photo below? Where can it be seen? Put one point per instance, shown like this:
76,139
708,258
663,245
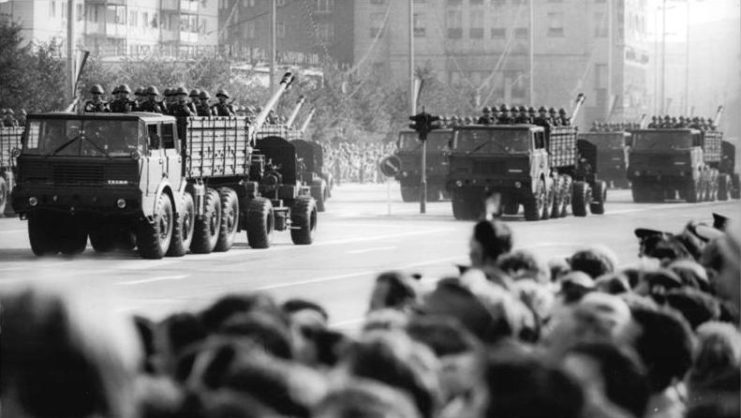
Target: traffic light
424,123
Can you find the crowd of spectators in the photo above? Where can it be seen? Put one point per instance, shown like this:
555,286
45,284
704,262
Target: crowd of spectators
354,162
511,336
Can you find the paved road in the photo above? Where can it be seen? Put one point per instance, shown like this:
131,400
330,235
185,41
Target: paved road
357,239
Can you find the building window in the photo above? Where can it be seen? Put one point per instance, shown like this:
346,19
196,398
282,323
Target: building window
324,6
376,24
477,25
522,33
145,19
555,24
325,32
116,14
280,30
419,25
600,25
453,21
498,33
155,20
133,18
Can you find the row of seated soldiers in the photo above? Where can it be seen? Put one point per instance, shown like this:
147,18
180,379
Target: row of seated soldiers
177,102
598,126
505,115
11,120
681,122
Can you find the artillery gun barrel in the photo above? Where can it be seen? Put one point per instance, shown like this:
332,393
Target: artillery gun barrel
642,121
296,109
285,82
579,101
718,115
307,121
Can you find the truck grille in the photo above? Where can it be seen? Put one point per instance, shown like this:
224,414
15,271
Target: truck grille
489,168
78,174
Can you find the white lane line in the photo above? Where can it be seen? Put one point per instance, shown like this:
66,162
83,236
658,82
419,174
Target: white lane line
357,274
370,250
152,280
662,206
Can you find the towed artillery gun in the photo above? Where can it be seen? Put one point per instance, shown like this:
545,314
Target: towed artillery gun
10,143
543,169
150,181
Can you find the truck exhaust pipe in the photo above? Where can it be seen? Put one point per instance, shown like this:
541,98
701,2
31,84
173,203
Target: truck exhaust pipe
296,109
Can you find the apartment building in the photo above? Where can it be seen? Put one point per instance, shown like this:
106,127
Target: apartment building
116,28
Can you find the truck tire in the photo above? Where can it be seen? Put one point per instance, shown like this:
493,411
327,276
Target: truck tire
736,187
182,234
260,222
206,228
4,194
566,190
461,211
535,205
410,193
693,192
318,192
72,235
102,238
229,219
433,193
580,198
42,227
511,205
599,197
550,197
303,221
723,186
153,239
558,194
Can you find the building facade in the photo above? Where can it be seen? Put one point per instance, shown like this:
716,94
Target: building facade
117,28
307,31
484,47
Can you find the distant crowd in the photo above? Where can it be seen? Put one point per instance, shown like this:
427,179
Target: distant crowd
511,336
682,122
351,162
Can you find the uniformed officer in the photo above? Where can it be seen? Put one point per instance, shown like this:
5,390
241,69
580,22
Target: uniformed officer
193,104
485,119
167,100
151,104
97,104
203,108
554,120
711,124
123,104
222,108
504,117
180,108
454,121
666,123
564,120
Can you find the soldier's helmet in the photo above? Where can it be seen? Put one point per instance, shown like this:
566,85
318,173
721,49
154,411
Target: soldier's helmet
514,109
653,117
9,111
180,91
152,91
222,92
562,111
454,118
194,93
486,110
552,110
494,110
531,110
139,91
504,108
124,88
96,89
204,95
116,90
542,109
168,92
667,117
710,120
22,112
522,109
468,120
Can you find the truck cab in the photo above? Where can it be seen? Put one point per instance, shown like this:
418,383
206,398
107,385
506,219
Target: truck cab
409,152
612,152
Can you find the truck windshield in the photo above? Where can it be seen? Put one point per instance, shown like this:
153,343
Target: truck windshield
436,141
668,140
613,141
71,137
493,141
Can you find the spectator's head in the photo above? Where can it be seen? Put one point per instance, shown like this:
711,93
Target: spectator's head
607,371
395,290
221,310
691,273
594,261
58,360
669,250
727,283
664,342
656,283
613,284
718,352
558,267
307,320
267,331
305,312
491,239
175,333
523,264
365,399
695,306
528,388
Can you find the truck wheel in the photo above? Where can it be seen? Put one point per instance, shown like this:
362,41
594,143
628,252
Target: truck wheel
693,193
260,222
511,205
72,235
550,197
206,228
723,183
599,196
182,234
535,205
433,193
318,191
4,193
303,221
42,227
410,194
153,239
229,219
461,211
566,198
558,192
735,189
579,198
102,238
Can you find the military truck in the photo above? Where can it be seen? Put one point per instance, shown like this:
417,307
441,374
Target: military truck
10,141
612,155
409,153
543,169
130,180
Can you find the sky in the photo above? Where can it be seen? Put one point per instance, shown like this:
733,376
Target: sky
701,11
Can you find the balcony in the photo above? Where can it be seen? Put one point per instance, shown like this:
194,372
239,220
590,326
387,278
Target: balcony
170,36
115,30
171,5
189,37
180,6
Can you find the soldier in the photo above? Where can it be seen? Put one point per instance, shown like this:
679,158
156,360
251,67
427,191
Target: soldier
485,119
21,117
531,114
8,119
682,123
514,113
542,118
123,104
711,124
222,108
522,115
654,123
168,100
180,108
667,122
595,127
495,114
194,100
564,120
504,118
96,104
203,108
138,98
454,120
151,104
553,117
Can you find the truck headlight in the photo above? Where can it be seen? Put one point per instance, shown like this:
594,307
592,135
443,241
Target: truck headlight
32,201
121,203
518,185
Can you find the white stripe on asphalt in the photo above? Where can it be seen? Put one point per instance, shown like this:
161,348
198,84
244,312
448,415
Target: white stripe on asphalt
369,250
152,280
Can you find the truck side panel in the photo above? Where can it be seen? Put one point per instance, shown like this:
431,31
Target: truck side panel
217,147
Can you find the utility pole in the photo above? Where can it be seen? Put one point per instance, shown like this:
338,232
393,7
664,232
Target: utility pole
413,107
531,55
687,67
71,51
662,92
610,64
273,29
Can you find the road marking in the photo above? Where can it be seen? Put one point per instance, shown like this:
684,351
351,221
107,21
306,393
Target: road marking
369,250
357,274
152,280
